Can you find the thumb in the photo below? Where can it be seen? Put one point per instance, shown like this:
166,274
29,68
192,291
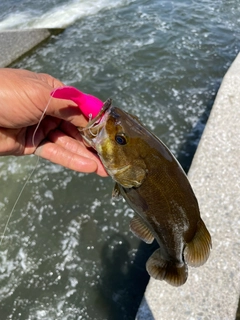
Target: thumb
66,110
63,109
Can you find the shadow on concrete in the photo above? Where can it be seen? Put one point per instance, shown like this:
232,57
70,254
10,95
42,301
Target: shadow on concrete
123,281
238,311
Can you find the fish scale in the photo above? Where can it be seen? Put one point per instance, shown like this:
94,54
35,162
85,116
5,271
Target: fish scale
155,186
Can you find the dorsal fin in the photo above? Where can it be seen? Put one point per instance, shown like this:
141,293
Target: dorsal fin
197,251
139,228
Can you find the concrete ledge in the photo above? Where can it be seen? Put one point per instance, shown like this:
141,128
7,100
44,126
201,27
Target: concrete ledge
212,291
15,43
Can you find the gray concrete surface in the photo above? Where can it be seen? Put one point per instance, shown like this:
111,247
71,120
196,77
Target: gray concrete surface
15,43
212,291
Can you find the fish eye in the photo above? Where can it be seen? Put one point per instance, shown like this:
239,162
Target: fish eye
120,139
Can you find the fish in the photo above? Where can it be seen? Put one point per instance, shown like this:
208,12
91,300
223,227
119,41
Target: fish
153,183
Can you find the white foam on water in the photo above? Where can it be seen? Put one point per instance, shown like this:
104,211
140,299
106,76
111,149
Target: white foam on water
61,16
14,21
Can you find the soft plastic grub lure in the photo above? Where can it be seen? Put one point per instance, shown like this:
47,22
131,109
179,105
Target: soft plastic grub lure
88,104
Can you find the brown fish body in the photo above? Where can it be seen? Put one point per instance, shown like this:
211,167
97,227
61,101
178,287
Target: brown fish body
153,183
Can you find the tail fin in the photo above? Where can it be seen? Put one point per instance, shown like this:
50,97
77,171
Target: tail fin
166,270
197,251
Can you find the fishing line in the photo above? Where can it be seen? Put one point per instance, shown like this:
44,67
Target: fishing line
94,122
31,173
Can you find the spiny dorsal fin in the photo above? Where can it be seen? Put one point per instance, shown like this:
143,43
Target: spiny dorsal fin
197,251
160,269
139,228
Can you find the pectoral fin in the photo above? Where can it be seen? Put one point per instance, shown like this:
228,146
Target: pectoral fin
130,175
160,269
197,251
139,228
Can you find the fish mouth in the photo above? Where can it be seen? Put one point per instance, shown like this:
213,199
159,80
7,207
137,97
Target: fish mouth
91,131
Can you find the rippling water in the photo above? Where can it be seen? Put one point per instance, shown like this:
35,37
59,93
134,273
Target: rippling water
68,252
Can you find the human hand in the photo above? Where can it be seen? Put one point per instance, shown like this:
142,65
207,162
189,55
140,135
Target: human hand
23,97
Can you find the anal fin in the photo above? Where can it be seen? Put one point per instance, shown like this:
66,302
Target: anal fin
139,228
116,193
160,269
197,251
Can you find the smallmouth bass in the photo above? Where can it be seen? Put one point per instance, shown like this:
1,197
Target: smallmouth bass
155,186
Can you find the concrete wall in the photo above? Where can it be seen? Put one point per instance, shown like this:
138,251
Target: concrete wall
14,44
212,291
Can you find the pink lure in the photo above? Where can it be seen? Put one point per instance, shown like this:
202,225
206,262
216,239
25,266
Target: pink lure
89,105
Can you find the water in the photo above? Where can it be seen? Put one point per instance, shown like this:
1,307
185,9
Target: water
68,251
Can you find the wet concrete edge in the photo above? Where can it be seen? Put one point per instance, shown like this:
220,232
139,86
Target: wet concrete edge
212,291
16,43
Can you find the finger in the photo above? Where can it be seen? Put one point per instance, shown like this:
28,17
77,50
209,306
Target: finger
11,141
66,110
70,130
76,147
59,155
63,109
52,82
68,141
35,135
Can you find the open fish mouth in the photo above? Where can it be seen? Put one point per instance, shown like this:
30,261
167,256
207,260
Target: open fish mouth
91,131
